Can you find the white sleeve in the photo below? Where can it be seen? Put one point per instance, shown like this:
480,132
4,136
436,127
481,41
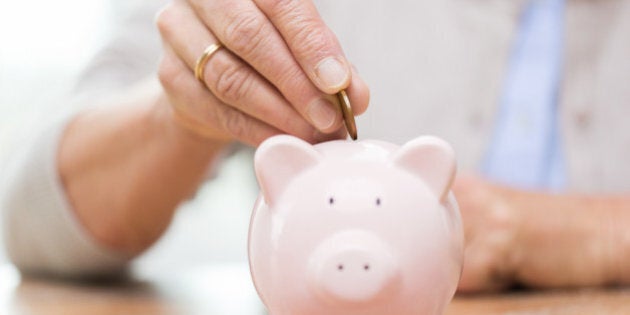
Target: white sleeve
41,233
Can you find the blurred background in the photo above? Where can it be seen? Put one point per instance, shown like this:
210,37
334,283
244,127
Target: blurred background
43,47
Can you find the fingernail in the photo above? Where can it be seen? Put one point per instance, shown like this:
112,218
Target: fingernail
322,114
332,73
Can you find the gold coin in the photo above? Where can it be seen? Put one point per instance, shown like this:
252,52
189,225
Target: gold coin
348,115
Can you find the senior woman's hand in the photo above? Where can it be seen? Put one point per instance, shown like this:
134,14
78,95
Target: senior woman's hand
276,73
541,240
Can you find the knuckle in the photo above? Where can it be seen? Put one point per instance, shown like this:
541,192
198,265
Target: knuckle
166,20
235,123
169,74
307,32
311,38
234,83
280,7
246,32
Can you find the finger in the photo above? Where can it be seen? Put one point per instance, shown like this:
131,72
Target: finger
479,274
200,111
247,32
359,94
312,43
228,77
340,134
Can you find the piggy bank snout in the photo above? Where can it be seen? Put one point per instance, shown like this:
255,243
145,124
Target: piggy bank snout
353,268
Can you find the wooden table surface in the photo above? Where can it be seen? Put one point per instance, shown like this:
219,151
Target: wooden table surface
226,289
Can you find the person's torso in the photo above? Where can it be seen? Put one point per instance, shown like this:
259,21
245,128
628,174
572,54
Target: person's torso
437,67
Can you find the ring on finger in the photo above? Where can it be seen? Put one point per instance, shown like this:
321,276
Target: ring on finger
200,65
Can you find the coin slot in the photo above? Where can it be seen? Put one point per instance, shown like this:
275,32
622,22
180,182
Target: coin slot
366,267
378,201
340,267
331,201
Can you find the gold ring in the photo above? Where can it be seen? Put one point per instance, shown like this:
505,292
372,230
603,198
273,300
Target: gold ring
203,60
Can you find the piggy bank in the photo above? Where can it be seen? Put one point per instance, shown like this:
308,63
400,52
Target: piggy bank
344,228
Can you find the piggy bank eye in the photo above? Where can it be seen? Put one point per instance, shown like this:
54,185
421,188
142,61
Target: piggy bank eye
378,202
331,201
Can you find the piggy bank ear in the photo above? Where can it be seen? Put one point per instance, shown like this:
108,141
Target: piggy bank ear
278,160
431,159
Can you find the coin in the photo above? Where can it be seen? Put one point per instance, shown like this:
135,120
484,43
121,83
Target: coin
348,115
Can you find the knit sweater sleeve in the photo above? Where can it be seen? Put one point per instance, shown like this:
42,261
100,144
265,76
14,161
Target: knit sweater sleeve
41,233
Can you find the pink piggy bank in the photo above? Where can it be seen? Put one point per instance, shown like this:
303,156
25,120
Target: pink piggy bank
344,228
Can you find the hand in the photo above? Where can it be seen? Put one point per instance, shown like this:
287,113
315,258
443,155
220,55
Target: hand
490,226
276,74
538,239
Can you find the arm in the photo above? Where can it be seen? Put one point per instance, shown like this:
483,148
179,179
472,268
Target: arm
542,240
120,171
152,152
94,189
126,168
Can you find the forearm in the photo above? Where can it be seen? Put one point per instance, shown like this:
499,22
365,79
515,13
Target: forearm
126,168
571,239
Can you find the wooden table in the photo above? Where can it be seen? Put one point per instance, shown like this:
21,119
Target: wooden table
226,289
